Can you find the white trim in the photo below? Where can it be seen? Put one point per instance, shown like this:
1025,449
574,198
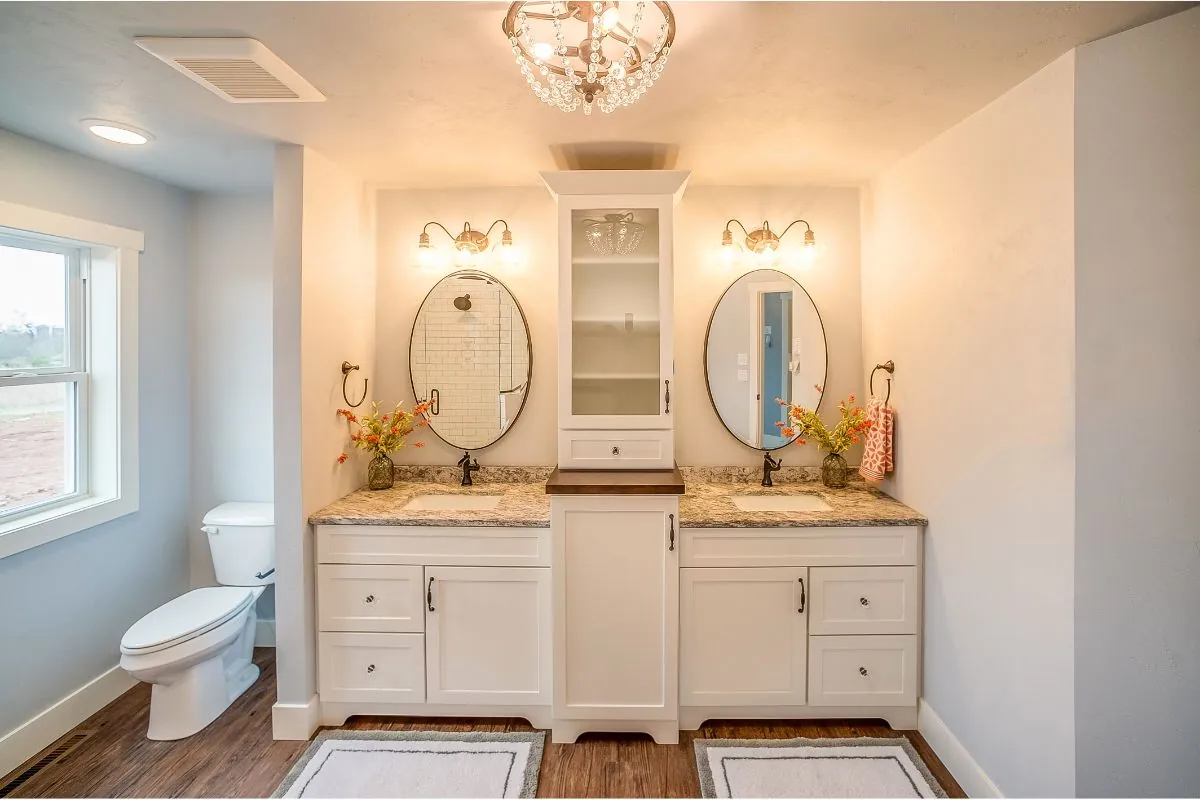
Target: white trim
83,231
970,776
296,721
264,633
27,740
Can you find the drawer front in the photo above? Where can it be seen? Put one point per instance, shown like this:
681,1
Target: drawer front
372,667
799,547
853,600
862,671
615,449
440,547
367,597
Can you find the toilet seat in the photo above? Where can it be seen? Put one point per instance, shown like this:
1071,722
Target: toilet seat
185,618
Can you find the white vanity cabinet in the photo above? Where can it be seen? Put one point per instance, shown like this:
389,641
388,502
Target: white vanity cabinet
805,622
418,620
616,588
616,290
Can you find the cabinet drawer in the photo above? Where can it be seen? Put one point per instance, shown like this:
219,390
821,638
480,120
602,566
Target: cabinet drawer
863,600
616,449
365,597
799,547
862,671
372,667
444,547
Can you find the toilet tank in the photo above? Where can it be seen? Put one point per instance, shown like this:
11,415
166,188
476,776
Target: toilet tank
241,537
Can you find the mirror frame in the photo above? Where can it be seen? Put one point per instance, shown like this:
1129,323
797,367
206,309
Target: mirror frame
704,355
528,344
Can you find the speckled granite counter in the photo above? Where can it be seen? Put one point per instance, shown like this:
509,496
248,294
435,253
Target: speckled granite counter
523,500
708,505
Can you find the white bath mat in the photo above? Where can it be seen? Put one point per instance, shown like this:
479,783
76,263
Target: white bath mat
813,768
403,764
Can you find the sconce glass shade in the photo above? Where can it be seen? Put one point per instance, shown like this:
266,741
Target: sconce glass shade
616,234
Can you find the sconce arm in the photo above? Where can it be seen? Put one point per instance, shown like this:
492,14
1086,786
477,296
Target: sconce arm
745,232
493,227
425,230
789,227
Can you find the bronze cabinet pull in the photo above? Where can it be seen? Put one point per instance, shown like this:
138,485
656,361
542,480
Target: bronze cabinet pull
803,599
429,595
668,397
671,517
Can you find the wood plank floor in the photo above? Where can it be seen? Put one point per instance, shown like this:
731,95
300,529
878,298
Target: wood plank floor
236,757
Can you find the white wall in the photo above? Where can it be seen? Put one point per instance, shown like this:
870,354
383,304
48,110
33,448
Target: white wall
231,288
325,313
967,284
700,279
67,603
1137,189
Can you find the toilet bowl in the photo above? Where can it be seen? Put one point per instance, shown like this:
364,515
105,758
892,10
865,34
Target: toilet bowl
197,650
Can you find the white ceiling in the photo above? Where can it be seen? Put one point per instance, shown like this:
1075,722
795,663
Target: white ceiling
427,94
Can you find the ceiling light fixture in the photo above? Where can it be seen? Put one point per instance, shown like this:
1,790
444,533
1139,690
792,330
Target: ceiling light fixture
590,52
468,244
764,243
616,234
115,132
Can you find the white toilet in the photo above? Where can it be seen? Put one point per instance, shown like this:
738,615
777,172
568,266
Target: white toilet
196,650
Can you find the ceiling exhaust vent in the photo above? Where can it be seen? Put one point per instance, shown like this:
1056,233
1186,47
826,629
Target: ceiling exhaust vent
238,70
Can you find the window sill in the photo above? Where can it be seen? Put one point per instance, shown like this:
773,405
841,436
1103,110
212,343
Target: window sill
36,529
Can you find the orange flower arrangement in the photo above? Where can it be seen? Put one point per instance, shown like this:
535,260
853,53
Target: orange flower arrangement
381,434
805,422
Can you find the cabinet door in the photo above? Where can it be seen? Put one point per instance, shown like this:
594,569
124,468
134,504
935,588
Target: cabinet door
616,294
616,584
487,635
743,636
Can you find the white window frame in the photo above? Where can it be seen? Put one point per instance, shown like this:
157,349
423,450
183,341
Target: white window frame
102,362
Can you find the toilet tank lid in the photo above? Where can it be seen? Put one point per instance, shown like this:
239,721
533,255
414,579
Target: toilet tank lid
247,514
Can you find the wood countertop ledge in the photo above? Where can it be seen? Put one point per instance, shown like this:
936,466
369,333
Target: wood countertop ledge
612,482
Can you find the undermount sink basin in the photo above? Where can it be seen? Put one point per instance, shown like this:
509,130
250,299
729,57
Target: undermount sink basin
453,502
780,502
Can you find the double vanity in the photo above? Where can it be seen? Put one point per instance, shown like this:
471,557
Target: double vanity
618,592
587,601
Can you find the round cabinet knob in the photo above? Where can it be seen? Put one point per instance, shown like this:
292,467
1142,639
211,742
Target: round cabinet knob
616,451
370,668
369,599
864,601
863,671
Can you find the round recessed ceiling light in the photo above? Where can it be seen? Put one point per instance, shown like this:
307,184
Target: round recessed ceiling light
113,132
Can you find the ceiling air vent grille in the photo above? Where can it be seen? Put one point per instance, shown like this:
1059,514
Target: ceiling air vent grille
238,70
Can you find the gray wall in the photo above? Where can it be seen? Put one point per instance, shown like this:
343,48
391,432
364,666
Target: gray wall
1137,546
67,603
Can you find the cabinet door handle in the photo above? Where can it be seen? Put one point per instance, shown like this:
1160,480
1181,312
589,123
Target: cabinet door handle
616,450
429,595
863,671
369,599
864,601
802,598
668,397
370,668
671,517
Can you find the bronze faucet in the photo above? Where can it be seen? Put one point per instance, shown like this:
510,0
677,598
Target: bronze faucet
770,465
468,465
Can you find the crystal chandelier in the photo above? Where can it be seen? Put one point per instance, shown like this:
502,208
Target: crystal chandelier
590,53
615,234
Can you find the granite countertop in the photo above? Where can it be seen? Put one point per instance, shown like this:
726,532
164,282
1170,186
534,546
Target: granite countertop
523,500
707,504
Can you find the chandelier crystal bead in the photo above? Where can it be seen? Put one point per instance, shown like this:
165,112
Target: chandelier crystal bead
612,66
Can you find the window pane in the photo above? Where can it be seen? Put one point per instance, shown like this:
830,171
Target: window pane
33,308
37,443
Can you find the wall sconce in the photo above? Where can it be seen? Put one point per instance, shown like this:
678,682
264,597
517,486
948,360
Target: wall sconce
469,245
762,244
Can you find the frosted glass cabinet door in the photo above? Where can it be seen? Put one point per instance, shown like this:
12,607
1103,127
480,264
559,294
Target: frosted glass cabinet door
618,257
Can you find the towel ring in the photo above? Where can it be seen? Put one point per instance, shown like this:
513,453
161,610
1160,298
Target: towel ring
347,368
889,367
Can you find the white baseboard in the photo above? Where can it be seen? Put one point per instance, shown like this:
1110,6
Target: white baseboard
25,741
296,721
970,776
264,633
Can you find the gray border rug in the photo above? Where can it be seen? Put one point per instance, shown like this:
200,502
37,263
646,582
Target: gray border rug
911,777
306,773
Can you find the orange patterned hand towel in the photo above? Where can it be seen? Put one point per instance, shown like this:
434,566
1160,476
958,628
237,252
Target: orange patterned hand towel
877,455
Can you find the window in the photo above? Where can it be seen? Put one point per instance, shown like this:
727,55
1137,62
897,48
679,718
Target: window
68,375
43,375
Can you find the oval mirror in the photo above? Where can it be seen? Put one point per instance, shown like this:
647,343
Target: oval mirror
470,357
765,340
